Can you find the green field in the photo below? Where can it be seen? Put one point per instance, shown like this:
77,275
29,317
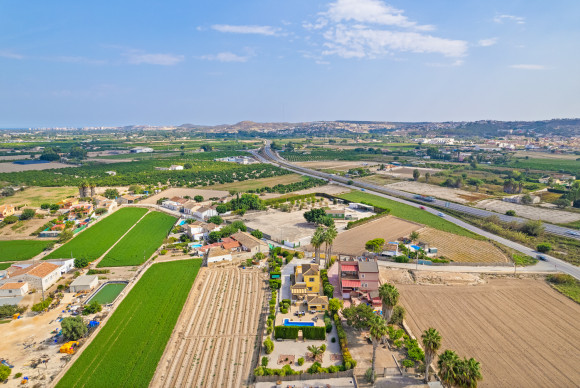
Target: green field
108,293
409,213
3,266
140,243
569,166
127,350
95,241
16,250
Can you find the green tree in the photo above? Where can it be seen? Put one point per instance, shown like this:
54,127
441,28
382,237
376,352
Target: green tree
314,215
416,174
81,262
533,227
329,236
64,236
27,214
4,372
268,346
511,213
427,176
198,198
447,364
414,235
316,241
216,220
375,245
359,316
10,219
316,352
431,343
544,247
377,330
470,373
334,305
390,297
398,315
111,193
561,203
188,166
92,308
73,328
257,234
221,209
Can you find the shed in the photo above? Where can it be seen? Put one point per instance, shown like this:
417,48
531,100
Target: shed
84,283
13,289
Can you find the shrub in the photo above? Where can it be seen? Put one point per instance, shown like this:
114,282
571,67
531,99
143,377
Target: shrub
81,262
333,339
561,278
301,361
408,363
163,252
10,219
315,368
92,308
401,259
42,305
268,346
284,310
369,375
544,247
259,371
328,324
265,361
4,372
510,213
18,375
398,315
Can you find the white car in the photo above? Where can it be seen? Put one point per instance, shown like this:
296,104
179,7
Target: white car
441,214
573,233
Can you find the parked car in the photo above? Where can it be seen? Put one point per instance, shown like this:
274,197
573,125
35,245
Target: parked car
541,257
422,207
441,214
573,232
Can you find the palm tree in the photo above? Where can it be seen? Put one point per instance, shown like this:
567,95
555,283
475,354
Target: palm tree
329,235
389,296
431,343
82,189
317,241
316,351
447,364
469,373
377,330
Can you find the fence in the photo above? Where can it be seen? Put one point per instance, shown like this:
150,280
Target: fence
306,376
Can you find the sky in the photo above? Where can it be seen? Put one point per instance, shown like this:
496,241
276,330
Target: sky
112,63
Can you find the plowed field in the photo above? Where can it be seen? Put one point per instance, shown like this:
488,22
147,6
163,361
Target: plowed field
524,333
214,339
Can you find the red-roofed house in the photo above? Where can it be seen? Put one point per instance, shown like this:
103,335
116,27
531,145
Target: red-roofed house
40,275
358,278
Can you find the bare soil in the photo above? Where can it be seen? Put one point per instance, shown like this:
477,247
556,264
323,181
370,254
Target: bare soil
462,249
22,229
407,172
446,193
522,332
36,196
404,276
182,192
213,342
11,167
531,212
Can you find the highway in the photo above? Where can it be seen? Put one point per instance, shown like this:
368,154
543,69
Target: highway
267,155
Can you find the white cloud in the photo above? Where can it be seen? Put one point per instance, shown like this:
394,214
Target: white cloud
259,30
360,43
137,57
10,55
370,11
225,57
528,67
456,63
372,28
512,18
487,42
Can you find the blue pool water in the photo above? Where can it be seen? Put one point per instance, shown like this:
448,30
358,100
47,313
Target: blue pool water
181,222
196,246
415,247
288,322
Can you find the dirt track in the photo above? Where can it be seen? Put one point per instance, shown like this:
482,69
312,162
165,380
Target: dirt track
213,342
522,332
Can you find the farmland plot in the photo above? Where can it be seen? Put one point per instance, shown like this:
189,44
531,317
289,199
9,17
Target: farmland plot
523,333
94,242
214,340
127,350
16,250
140,243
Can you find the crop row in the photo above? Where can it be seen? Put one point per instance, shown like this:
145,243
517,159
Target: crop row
140,243
15,250
94,242
126,351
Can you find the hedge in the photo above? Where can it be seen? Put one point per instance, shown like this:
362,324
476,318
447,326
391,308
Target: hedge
352,224
347,359
313,332
286,332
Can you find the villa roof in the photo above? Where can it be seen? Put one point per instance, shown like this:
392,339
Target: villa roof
316,299
217,251
368,266
247,239
39,270
349,267
12,286
310,269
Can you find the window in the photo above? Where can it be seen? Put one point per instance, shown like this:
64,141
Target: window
311,280
362,275
365,285
309,288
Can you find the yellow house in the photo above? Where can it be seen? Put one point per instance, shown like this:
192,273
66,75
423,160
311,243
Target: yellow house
6,210
306,281
68,202
317,303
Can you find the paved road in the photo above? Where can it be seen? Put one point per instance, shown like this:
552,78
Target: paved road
270,156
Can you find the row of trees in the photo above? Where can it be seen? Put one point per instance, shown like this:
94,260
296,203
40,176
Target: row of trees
324,236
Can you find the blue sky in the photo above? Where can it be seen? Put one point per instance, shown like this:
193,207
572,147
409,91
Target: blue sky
169,62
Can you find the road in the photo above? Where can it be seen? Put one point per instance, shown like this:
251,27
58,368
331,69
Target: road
269,156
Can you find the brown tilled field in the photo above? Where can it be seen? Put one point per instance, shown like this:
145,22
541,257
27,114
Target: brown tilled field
213,342
352,242
522,332
462,249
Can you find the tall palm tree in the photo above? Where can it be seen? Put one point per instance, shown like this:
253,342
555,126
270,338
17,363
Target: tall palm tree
329,235
377,330
317,241
447,363
82,188
431,343
389,296
468,373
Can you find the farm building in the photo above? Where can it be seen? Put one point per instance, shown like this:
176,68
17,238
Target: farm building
84,283
40,275
125,199
175,167
217,254
49,233
391,249
250,243
64,264
190,207
205,212
13,289
138,150
6,210
338,213
361,206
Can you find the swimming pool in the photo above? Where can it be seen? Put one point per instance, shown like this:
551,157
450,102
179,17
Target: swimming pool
288,322
416,247
196,246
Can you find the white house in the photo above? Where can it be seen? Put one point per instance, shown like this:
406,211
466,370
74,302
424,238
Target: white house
190,207
64,264
174,167
13,289
84,283
217,254
39,276
205,212
195,231
138,150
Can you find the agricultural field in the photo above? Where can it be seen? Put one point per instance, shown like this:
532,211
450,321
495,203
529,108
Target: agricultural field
408,212
445,193
462,249
4,266
254,184
531,212
327,154
215,338
36,196
108,293
17,250
23,229
335,165
524,333
127,349
569,166
20,168
141,241
93,242
352,241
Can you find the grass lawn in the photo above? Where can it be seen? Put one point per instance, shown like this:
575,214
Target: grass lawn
128,348
108,293
95,241
253,184
3,266
409,213
36,196
566,284
140,243
16,250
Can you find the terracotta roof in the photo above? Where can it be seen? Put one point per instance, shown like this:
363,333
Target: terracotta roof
179,200
350,283
203,209
4,207
349,267
12,286
39,270
310,269
316,299
231,245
